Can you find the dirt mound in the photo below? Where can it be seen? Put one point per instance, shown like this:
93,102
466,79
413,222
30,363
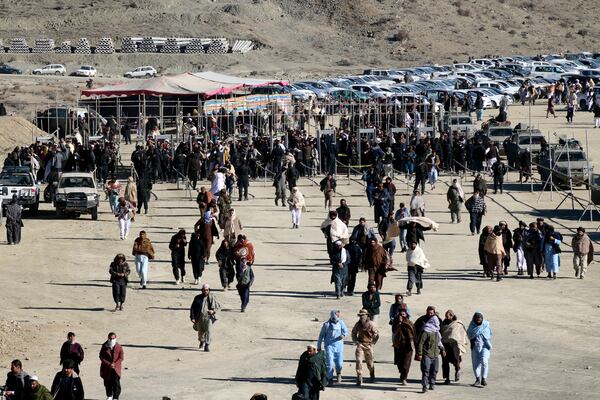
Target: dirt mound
16,131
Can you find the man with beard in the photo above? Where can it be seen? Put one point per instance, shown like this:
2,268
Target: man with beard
375,262
365,336
17,382
311,375
344,212
332,334
533,245
67,384
202,315
13,221
71,349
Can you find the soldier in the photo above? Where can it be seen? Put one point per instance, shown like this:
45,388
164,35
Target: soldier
365,335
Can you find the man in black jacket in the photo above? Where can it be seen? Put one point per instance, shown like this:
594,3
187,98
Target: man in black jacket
17,382
243,172
67,384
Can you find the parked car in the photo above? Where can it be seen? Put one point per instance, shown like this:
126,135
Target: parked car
551,72
141,72
86,70
20,181
524,138
7,69
51,69
566,165
76,193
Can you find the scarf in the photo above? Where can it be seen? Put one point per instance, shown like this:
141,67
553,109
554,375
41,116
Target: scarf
433,326
455,332
460,190
333,318
417,257
482,330
207,217
298,199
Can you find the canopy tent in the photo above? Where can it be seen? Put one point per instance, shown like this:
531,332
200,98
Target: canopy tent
205,84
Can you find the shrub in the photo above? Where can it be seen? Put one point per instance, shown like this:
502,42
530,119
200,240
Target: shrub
464,12
401,36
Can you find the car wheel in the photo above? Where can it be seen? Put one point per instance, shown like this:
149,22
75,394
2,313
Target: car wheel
36,72
148,75
94,213
494,104
59,213
128,76
35,206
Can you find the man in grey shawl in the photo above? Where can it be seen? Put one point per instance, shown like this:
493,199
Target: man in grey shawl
202,315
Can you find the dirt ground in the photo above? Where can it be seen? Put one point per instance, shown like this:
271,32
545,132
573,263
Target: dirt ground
57,281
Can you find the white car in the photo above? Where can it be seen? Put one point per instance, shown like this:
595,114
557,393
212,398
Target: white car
51,69
483,63
551,72
141,72
86,70
373,91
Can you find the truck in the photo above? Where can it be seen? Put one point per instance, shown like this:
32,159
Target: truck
76,193
568,166
19,180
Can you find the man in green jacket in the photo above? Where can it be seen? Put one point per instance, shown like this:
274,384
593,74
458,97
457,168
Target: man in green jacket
429,347
38,391
311,375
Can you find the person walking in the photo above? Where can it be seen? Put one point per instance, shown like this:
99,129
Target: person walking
403,340
495,253
498,171
131,192
243,181
119,277
14,222
533,249
67,384
416,264
417,205
455,341
245,278
401,213
339,260
507,243
111,363
37,391
226,264
371,301
583,252
311,374
332,335
124,215
518,240
480,336
455,197
197,255
344,212
365,335
208,230
232,225
177,247
143,251
477,209
203,315
280,188
327,186
376,262
550,107
72,350
297,205
429,346
17,382
552,251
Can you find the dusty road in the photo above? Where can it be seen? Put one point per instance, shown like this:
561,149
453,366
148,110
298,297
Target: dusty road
545,332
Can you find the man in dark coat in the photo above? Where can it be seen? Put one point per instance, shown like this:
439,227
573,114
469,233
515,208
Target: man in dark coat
17,382
67,383
72,350
111,360
13,221
243,172
311,375
177,247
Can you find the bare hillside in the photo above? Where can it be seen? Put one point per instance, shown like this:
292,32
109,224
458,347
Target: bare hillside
309,36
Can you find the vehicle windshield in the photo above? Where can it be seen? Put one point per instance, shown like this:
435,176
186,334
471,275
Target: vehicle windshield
460,121
500,132
534,140
16,180
571,156
76,182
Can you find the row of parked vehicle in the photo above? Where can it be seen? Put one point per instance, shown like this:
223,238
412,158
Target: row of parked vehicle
490,77
88,71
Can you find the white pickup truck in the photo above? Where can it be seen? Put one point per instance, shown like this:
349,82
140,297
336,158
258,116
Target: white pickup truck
76,193
18,180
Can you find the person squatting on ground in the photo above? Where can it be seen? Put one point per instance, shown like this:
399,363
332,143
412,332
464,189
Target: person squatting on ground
203,315
111,360
119,277
365,335
143,251
332,335
480,336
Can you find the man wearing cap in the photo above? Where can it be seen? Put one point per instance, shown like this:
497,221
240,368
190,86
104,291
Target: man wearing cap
311,375
72,350
518,239
67,383
202,314
37,391
583,252
333,333
365,336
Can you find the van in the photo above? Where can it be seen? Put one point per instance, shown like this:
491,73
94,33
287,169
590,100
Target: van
551,72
